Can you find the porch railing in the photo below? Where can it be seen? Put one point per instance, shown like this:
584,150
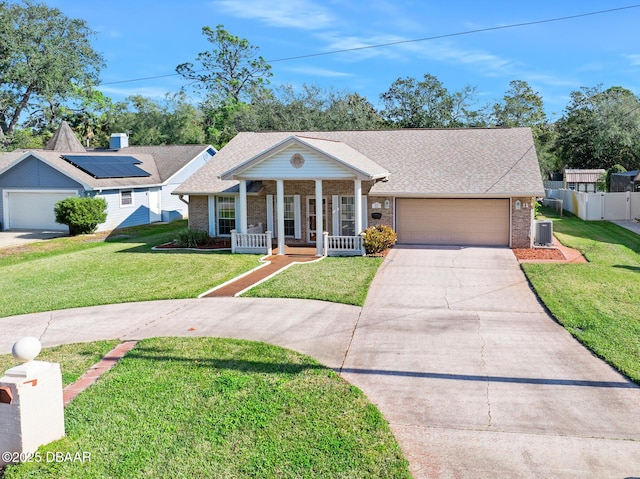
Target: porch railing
254,243
343,245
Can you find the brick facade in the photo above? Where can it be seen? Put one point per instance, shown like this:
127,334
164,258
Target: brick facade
386,213
521,219
521,223
199,213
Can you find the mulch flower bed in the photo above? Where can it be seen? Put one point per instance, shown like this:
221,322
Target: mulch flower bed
538,254
213,244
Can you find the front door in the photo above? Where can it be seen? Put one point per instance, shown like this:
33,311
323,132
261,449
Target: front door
155,211
311,218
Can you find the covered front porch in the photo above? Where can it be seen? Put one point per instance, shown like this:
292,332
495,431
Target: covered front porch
306,165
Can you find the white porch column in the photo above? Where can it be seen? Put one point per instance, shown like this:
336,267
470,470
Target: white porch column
319,222
280,212
357,193
243,206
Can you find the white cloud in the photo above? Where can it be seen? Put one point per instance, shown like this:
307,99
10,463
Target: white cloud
361,47
488,63
319,72
634,59
302,14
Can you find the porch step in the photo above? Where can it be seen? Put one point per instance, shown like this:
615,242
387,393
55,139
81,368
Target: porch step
276,263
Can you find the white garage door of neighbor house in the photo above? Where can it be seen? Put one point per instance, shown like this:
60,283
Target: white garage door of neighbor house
453,221
34,210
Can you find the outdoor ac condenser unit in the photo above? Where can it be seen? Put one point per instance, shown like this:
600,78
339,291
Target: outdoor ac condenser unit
543,233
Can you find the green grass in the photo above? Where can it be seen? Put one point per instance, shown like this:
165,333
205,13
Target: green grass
89,270
184,408
340,280
74,359
597,302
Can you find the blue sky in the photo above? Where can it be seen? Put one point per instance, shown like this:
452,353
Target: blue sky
144,38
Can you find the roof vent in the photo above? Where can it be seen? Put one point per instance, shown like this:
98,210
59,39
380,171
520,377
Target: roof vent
118,140
543,233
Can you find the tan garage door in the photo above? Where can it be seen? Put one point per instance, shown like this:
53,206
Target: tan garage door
453,221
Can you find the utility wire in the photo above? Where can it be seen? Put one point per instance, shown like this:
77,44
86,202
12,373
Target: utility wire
448,35
399,42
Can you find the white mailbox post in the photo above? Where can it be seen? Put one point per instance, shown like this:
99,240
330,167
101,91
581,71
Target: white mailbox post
31,405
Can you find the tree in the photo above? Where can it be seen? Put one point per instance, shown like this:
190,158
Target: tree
600,128
44,55
89,114
149,122
520,106
306,109
410,103
230,70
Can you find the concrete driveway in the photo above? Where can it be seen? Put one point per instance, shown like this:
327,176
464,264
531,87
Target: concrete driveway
20,237
478,381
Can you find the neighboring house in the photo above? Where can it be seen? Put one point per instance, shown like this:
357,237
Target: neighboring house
446,187
136,181
625,181
583,180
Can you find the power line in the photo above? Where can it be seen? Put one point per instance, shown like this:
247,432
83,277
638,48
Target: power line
448,35
400,42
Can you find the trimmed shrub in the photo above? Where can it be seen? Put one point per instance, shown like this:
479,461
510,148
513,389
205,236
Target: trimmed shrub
379,238
190,238
81,214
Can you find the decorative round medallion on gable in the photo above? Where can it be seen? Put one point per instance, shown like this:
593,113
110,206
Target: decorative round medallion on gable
297,160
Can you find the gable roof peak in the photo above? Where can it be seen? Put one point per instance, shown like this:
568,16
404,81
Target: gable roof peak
65,140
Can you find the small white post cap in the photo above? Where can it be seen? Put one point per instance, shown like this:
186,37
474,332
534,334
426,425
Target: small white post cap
26,349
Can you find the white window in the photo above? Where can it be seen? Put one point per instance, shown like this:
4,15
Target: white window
289,216
126,198
226,209
347,216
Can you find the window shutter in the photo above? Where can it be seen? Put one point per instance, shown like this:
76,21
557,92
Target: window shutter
365,215
335,215
270,216
297,219
212,216
236,212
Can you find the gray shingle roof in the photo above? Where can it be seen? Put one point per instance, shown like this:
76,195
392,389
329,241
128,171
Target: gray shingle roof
65,140
468,162
341,152
161,162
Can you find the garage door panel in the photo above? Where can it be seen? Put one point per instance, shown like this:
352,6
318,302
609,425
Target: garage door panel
453,221
34,210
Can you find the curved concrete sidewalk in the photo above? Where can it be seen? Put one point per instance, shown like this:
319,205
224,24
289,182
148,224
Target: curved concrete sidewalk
317,328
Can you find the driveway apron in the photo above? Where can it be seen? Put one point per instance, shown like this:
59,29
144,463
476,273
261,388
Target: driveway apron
477,380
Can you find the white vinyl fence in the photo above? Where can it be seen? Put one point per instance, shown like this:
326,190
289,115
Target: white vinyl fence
598,206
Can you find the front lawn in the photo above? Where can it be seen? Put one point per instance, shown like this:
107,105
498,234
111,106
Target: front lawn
219,408
89,270
74,359
340,280
597,302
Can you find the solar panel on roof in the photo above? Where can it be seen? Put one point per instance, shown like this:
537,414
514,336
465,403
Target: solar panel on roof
102,166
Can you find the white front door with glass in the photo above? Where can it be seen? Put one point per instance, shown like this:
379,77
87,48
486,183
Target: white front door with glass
311,217
347,216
